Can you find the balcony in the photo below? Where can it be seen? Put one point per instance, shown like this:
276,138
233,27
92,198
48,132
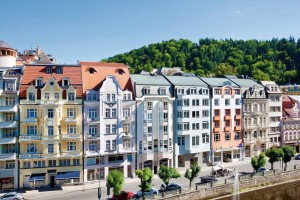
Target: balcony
29,156
70,136
93,120
29,137
237,117
217,118
30,120
216,129
71,154
8,156
227,117
51,155
70,119
8,140
227,128
92,136
8,124
128,135
51,137
8,108
92,153
126,119
238,128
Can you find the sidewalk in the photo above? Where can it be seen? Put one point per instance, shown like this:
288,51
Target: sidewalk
95,184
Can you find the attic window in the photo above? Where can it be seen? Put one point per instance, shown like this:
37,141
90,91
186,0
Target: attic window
39,82
121,71
65,82
49,70
1,73
59,70
92,70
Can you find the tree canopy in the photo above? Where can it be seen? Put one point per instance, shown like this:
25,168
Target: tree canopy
192,173
115,180
146,177
258,161
289,152
274,155
276,59
166,173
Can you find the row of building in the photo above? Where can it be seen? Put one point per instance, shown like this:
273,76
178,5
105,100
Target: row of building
69,124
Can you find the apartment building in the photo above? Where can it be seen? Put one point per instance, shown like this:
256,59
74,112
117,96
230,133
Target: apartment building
274,111
255,124
154,121
191,121
290,133
226,120
50,126
109,120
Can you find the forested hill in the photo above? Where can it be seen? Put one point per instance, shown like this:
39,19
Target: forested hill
276,59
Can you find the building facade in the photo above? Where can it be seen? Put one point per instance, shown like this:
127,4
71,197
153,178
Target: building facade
154,121
9,131
255,122
50,126
226,118
191,121
109,120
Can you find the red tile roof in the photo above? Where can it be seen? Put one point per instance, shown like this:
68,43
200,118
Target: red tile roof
101,71
31,72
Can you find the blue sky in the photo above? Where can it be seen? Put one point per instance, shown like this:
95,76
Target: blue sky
91,30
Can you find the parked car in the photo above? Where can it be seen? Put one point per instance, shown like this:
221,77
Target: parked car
171,186
297,157
208,179
12,196
151,192
123,196
262,169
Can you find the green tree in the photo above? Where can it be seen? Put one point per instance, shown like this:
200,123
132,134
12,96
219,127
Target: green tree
166,173
146,177
289,152
115,180
258,161
192,173
274,155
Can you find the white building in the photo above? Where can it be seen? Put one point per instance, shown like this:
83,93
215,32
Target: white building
154,121
191,121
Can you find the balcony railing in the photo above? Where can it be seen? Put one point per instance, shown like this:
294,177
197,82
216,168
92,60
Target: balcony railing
8,108
71,154
70,119
70,136
8,124
31,119
30,137
8,156
126,118
92,136
93,119
28,156
92,152
8,140
51,137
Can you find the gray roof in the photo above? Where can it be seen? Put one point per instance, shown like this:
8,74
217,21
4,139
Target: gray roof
186,80
3,44
217,82
246,82
144,79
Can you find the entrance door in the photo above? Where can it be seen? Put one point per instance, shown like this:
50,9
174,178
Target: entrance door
129,173
155,169
26,183
52,181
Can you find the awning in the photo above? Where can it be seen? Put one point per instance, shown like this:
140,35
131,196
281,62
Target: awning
68,175
37,177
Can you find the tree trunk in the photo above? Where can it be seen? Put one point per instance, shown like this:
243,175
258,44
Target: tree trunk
272,166
285,164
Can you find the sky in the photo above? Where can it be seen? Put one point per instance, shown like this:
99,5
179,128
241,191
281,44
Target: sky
91,30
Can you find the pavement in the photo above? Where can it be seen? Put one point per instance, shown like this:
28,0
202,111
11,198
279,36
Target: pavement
128,182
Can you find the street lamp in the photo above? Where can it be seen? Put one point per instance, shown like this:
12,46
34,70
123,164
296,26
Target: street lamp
99,188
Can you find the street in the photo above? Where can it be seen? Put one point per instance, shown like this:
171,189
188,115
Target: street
88,193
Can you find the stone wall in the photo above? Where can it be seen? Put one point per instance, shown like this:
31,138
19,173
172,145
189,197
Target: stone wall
226,189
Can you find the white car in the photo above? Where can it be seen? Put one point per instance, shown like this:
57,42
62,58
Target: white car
262,169
12,196
151,192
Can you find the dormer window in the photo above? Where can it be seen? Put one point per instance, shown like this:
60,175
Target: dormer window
31,96
59,70
121,71
146,90
92,70
9,86
204,91
162,91
65,82
180,91
193,91
39,82
71,96
49,70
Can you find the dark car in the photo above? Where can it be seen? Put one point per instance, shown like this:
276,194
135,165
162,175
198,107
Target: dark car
297,157
173,186
208,179
123,196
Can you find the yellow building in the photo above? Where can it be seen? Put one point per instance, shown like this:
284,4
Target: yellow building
50,126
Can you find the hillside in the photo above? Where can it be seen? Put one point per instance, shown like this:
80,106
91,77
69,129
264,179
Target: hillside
276,59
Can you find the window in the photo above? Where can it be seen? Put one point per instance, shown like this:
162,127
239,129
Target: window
39,82
56,96
195,114
150,129
10,116
149,116
71,112
114,113
50,130
205,102
179,103
92,97
114,128
146,90
227,136
237,111
195,140
204,125
162,91
31,96
93,129
59,70
217,91
31,148
126,128
92,145
205,113
40,163
9,165
237,135
186,102
65,82
31,113
216,102
71,146
113,144
186,126
48,70
126,112
107,128
217,112
217,137
9,86
108,97
227,112
113,97
26,164
193,91
227,123
180,91
31,130
205,138
181,141
71,129
50,148
93,113
64,162
227,102
107,113
76,162
237,102
186,114
149,105
46,96
165,128
237,92
50,113
195,102
52,163
195,126
165,116
108,145
71,96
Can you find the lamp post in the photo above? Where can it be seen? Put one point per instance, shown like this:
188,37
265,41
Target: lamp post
99,189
